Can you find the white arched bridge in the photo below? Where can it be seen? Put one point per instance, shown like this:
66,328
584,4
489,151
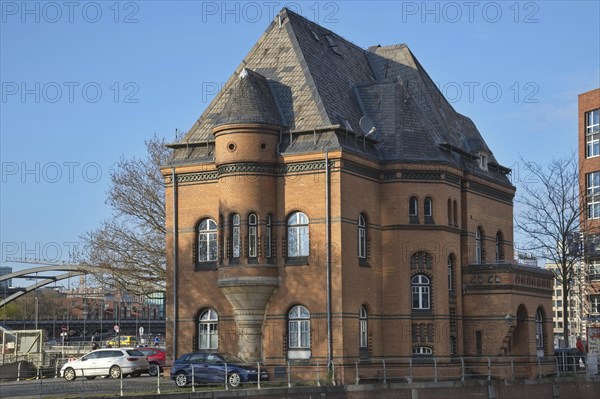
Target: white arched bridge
69,270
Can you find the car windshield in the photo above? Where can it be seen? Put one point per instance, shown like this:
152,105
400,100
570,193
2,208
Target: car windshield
134,352
227,358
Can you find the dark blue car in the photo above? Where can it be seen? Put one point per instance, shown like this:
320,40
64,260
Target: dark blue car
214,368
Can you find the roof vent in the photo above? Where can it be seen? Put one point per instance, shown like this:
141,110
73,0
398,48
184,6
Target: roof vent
332,44
315,35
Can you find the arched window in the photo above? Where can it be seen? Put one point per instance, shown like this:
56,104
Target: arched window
422,351
297,242
208,331
268,238
252,235
413,206
299,328
362,237
499,251
478,248
428,207
207,241
363,327
451,273
539,329
421,260
421,292
235,236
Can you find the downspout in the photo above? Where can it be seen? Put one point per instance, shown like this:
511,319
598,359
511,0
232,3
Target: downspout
328,261
175,250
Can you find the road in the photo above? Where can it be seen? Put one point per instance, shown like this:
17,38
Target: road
83,388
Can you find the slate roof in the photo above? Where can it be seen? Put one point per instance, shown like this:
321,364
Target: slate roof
304,77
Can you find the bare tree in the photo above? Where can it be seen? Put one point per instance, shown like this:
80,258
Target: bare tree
128,250
550,220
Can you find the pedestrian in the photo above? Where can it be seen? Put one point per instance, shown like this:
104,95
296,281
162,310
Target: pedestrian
156,341
96,346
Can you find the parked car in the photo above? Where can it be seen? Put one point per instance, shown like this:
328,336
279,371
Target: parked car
125,340
156,357
106,362
203,367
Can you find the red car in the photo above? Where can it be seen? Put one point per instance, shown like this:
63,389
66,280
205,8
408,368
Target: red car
156,357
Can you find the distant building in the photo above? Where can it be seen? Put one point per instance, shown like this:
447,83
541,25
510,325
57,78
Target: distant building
330,203
4,270
589,183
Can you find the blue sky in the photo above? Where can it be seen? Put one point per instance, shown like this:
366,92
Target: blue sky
85,83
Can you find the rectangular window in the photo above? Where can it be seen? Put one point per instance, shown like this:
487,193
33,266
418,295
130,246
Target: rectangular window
592,133
594,273
595,304
268,240
363,333
593,195
478,343
252,242
235,238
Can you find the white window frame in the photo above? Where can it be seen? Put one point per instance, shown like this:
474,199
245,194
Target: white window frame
592,184
450,273
298,240
235,236
268,237
413,206
592,133
539,329
363,327
421,292
299,328
362,237
207,237
478,248
208,330
422,351
252,235
428,206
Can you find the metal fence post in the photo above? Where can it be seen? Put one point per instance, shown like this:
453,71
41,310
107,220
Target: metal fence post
489,378
258,376
194,378
462,370
288,375
121,381
410,378
19,371
512,367
384,372
318,375
226,384
539,368
356,371
435,370
158,382
557,366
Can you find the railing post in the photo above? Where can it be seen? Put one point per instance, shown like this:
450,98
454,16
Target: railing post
384,372
462,369
226,384
435,378
158,382
356,380
512,367
410,378
318,375
83,382
288,375
489,378
539,368
258,377
120,379
333,374
194,378
19,371
557,366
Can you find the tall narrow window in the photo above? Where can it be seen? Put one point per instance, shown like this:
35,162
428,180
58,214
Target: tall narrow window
299,328
268,238
478,249
208,332
592,133
451,273
428,207
413,206
363,327
235,236
298,243
593,195
499,251
252,236
450,219
420,292
362,237
539,329
207,241
455,214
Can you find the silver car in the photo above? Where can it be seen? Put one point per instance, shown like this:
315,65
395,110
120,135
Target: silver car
112,362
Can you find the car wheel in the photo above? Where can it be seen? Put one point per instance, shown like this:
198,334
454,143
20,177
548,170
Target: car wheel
181,379
115,371
69,374
90,377
154,370
234,379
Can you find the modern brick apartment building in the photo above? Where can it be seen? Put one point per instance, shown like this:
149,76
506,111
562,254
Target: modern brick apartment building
589,183
330,204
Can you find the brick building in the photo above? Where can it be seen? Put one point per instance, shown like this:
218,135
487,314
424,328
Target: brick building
589,183
331,204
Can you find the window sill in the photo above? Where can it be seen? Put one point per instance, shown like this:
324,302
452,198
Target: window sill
202,266
297,261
